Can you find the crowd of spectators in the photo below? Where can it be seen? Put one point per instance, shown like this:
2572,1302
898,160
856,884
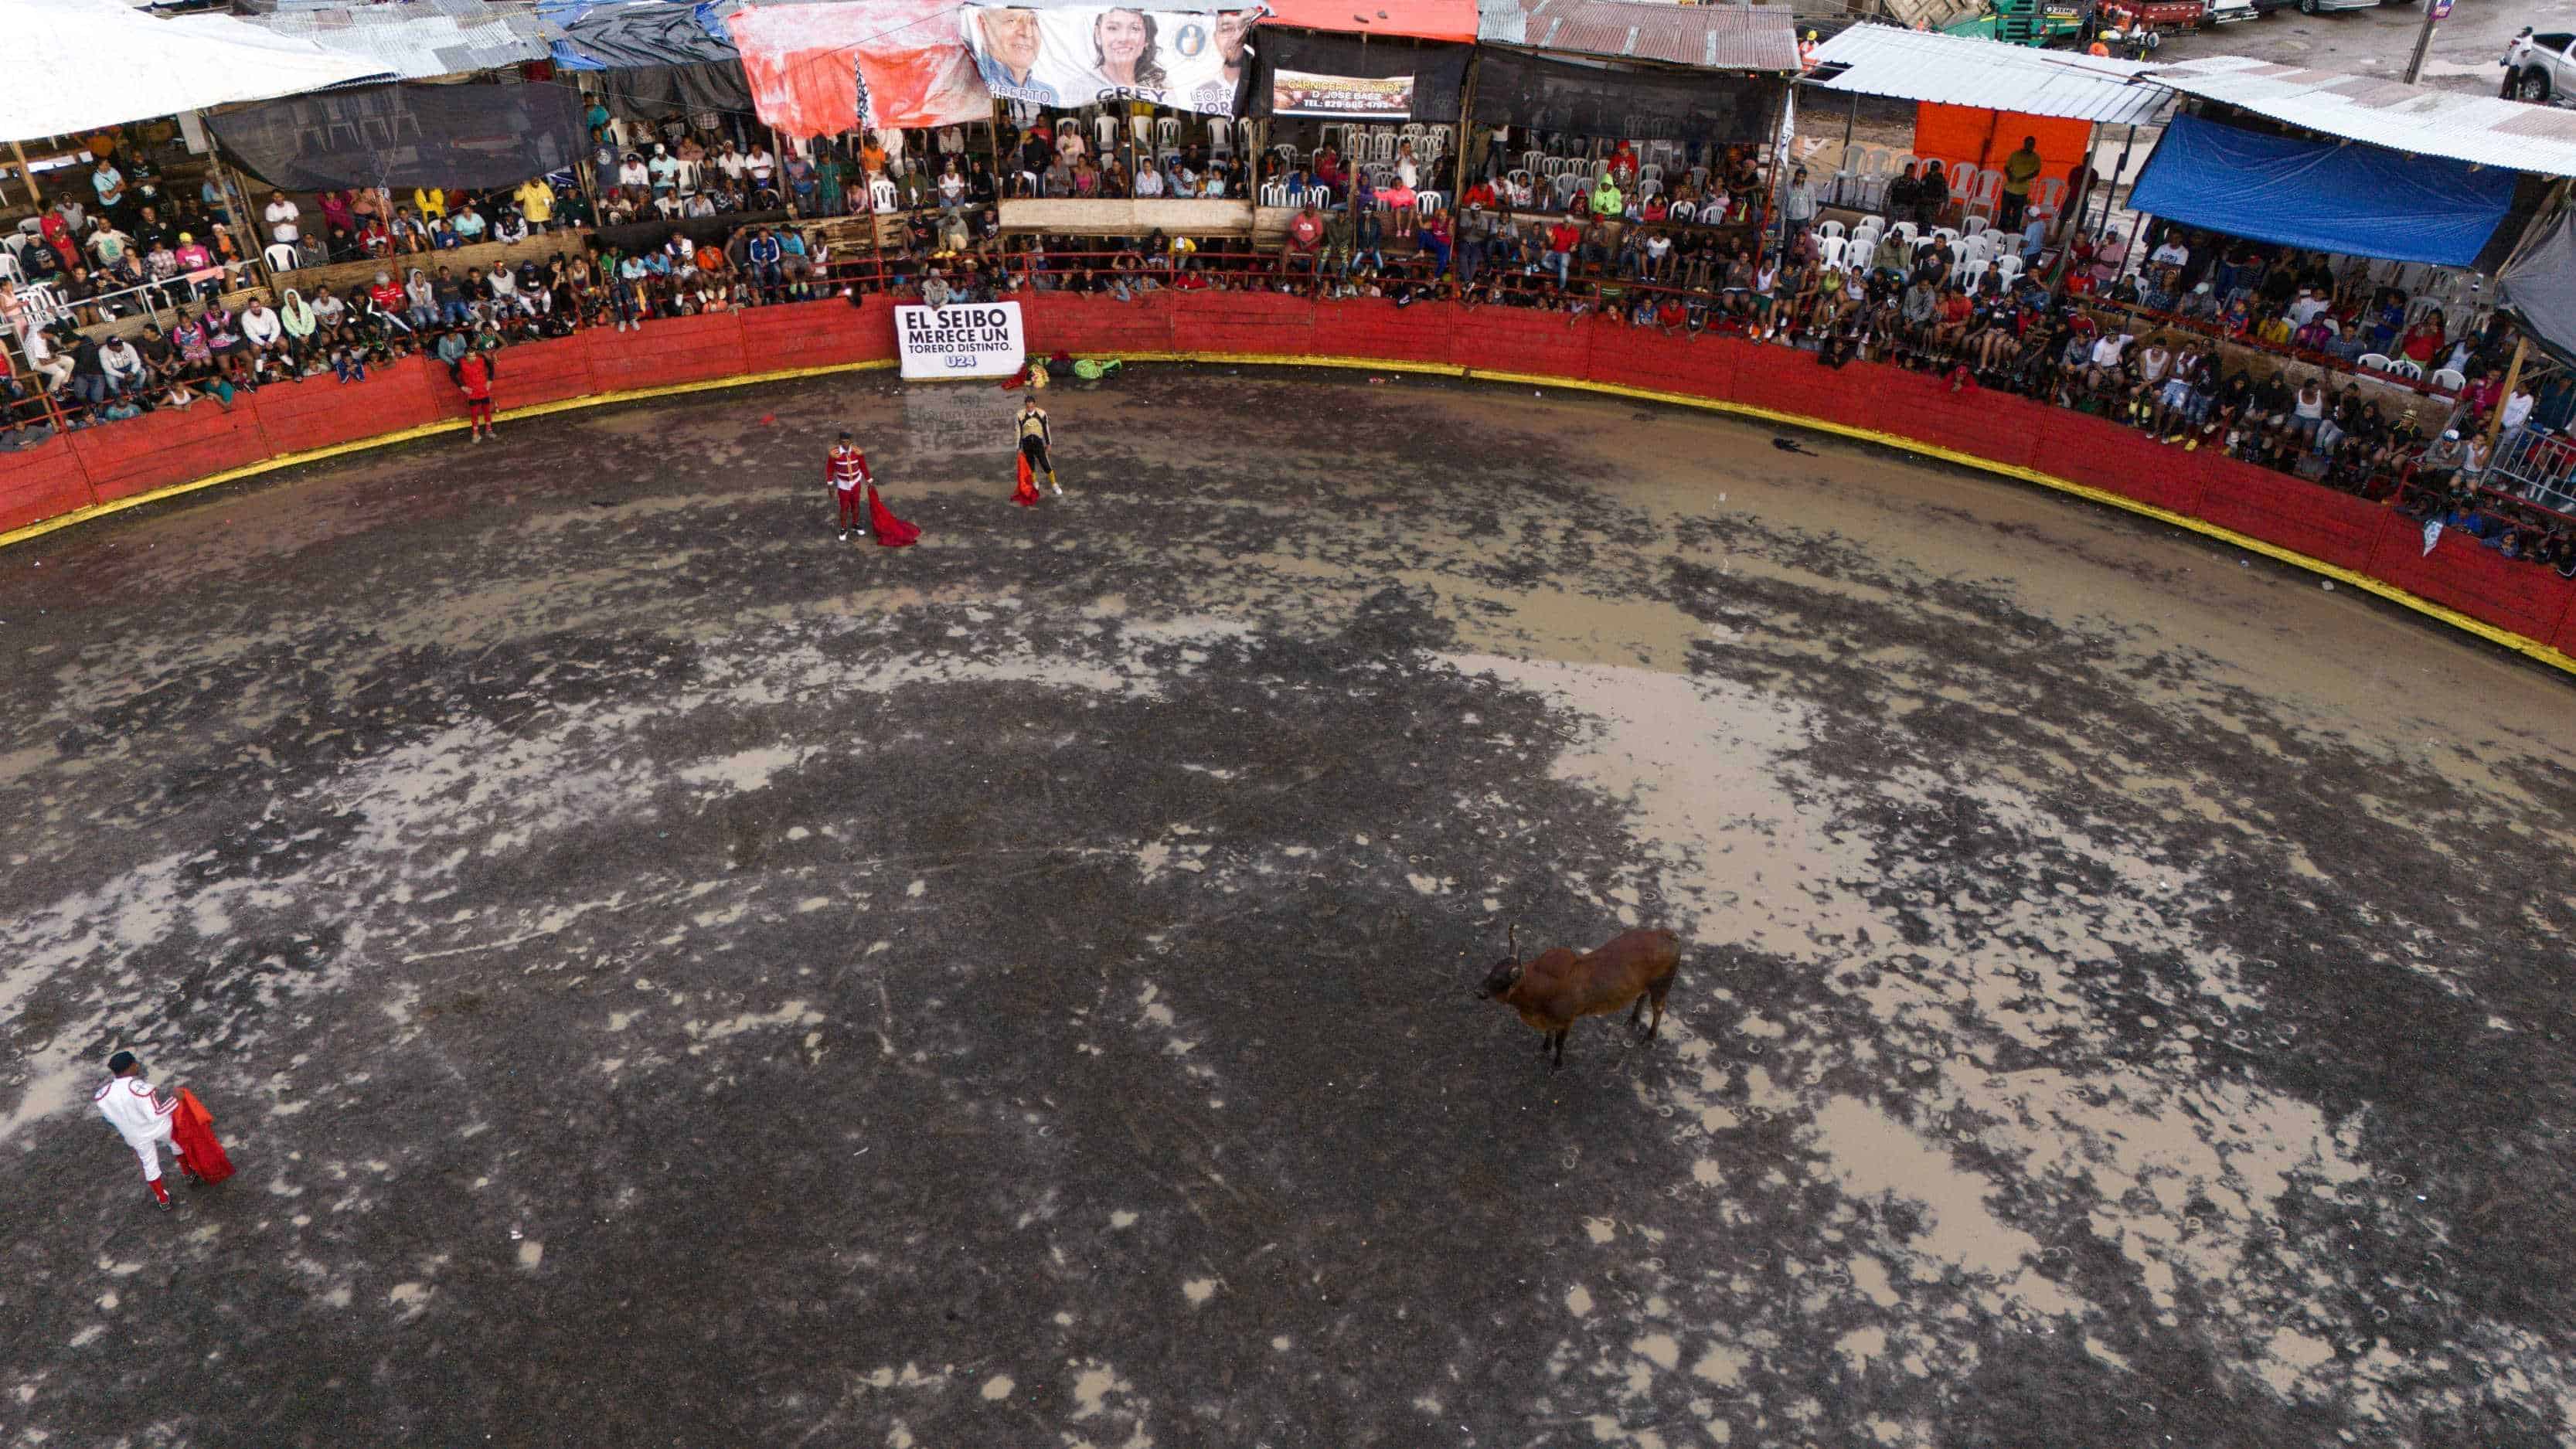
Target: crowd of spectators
2208,342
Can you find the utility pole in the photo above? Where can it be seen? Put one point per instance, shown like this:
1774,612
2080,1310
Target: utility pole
2435,11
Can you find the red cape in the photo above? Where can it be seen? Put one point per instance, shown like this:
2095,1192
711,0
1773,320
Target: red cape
1026,495
192,1130
891,532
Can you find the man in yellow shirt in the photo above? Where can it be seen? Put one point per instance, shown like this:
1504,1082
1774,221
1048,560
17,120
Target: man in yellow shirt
536,203
2021,168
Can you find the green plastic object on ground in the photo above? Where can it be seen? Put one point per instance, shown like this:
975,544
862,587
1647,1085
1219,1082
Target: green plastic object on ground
1090,371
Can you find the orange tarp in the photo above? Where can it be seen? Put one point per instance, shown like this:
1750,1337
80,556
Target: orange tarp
1983,138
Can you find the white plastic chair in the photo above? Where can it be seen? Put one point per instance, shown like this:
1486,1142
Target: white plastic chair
2008,269
2408,368
1975,224
2051,193
1167,131
2449,379
1971,273
2374,361
1220,136
1683,211
281,256
1106,129
1428,202
1829,228
1904,229
1990,187
1274,193
1650,172
1944,234
1829,250
1319,197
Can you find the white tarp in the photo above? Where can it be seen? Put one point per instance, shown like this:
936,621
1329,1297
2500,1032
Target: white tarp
78,65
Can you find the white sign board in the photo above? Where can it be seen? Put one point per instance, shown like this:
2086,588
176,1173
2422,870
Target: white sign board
961,340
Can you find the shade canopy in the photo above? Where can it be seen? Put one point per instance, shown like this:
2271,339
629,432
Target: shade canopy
1959,70
2538,288
2362,201
79,65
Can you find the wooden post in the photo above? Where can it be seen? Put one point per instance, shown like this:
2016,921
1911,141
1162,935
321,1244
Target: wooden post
2512,375
33,190
1466,124
234,183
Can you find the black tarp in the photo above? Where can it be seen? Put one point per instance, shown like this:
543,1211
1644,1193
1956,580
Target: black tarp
1437,70
2538,288
1584,100
471,136
682,90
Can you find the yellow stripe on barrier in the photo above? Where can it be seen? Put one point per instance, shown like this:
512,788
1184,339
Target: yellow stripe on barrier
2521,644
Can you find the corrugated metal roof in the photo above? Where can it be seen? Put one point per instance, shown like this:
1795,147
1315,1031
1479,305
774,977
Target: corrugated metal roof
2483,130
418,39
1959,70
1704,37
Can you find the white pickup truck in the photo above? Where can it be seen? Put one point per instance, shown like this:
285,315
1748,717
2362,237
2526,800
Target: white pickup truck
2540,67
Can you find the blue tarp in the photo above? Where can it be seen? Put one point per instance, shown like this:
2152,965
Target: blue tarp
2354,199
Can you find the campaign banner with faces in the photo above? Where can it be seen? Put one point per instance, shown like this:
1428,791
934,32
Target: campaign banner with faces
1068,56
1298,93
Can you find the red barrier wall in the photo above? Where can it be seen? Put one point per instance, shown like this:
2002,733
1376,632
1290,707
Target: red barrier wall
815,334
121,461
169,447
2318,522
2463,574
673,350
320,411
40,482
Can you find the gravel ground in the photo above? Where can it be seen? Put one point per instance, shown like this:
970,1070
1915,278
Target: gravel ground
669,977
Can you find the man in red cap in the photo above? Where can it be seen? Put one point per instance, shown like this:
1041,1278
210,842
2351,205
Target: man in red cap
141,1118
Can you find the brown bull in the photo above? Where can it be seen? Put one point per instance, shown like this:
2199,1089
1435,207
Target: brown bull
1558,988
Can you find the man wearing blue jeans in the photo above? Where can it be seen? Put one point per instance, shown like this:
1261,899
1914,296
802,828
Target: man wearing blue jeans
1562,238
1475,227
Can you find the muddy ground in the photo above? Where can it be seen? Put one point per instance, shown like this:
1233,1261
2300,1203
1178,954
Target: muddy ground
671,978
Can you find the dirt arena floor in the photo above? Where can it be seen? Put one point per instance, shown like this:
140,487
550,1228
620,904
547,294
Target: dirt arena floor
670,978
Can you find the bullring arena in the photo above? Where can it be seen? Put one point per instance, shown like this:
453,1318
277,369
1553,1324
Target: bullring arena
669,977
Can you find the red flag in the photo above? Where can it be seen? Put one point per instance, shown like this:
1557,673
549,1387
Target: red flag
192,1130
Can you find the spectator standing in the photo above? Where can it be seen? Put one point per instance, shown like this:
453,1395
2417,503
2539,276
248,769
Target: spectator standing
474,374
1798,206
2021,168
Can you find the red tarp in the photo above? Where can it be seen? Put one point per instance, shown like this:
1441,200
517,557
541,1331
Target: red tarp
1421,19
799,60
